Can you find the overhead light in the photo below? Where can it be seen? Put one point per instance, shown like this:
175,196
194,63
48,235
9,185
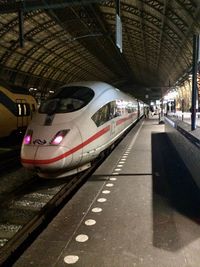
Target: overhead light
171,95
32,89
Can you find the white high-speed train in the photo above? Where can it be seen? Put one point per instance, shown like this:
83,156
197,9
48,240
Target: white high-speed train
75,125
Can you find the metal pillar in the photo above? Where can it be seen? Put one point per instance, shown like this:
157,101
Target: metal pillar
117,7
194,80
118,26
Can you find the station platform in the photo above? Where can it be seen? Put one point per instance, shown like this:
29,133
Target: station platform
140,208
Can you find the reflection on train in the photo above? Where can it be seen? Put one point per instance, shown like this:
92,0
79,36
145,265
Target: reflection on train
75,125
16,109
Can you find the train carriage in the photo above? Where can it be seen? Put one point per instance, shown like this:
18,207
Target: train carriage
16,110
74,126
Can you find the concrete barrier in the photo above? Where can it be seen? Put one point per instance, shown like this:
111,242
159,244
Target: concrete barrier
187,144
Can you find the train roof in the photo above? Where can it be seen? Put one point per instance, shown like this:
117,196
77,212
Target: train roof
15,88
97,86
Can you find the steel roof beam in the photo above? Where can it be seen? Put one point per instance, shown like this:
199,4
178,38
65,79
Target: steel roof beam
7,72
179,52
14,6
105,28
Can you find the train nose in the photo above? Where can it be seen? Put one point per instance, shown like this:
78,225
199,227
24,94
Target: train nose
47,161
46,158
52,159
52,152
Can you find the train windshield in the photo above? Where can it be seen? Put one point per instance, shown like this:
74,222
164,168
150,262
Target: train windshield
67,99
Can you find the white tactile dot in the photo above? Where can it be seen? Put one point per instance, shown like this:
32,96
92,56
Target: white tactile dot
82,238
106,191
109,185
96,209
90,222
101,199
112,179
71,259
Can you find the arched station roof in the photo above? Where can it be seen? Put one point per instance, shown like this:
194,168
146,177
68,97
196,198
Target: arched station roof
64,40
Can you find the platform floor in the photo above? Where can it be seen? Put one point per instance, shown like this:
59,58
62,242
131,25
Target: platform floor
140,208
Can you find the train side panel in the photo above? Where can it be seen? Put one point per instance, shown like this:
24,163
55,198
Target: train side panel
125,114
16,111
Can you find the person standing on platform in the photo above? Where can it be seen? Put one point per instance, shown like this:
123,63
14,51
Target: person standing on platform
152,110
146,112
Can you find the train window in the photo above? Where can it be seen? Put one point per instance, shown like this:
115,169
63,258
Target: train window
24,106
23,109
119,108
102,115
49,106
68,99
129,107
70,104
113,110
76,92
19,109
135,107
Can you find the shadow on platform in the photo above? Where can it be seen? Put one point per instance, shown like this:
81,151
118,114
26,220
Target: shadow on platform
176,198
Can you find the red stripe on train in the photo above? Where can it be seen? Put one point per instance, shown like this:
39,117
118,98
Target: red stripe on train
125,119
71,151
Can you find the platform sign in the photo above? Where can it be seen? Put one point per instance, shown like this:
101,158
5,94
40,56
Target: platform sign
118,32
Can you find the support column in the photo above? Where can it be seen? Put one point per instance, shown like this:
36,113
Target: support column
194,80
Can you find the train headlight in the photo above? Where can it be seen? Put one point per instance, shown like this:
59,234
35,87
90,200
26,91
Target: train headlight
59,137
28,137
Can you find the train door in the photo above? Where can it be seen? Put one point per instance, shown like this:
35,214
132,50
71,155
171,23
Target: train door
23,113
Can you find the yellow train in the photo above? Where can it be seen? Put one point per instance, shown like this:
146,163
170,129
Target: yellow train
16,110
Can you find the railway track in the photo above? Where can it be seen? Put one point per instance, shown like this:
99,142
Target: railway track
9,158
27,209
33,205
